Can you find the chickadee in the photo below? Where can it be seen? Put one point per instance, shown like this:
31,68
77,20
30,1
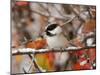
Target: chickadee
56,39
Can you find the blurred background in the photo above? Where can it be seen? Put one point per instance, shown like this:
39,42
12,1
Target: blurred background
28,22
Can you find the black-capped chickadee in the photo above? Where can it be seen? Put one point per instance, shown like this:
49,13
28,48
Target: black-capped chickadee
56,39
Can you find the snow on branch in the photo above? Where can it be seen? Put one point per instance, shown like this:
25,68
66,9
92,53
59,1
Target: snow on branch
32,51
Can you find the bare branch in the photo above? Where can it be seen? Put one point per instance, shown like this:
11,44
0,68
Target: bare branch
76,13
35,63
46,15
32,51
71,19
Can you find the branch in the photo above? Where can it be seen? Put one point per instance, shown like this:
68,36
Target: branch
35,63
32,51
46,15
76,12
71,19
49,15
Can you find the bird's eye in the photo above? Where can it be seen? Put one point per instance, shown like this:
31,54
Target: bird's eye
51,27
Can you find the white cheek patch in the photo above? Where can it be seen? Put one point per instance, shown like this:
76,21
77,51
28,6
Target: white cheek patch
56,30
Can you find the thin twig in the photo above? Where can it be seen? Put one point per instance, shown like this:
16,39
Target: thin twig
44,14
24,71
69,20
35,63
76,13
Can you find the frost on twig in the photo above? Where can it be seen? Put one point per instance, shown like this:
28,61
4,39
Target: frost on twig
32,51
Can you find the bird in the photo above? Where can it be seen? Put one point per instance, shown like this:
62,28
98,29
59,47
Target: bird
56,39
